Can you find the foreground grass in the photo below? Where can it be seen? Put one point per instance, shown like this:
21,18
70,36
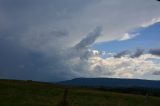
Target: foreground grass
28,93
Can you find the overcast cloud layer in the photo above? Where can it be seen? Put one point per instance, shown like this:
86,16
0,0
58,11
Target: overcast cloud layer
50,40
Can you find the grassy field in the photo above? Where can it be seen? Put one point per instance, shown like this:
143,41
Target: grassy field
28,93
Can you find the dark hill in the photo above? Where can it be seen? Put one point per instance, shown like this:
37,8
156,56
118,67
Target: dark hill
112,82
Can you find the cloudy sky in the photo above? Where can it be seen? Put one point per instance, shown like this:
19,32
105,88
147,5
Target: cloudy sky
53,40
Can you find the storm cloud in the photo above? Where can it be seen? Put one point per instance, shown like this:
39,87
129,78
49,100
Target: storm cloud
34,59
50,40
132,54
90,39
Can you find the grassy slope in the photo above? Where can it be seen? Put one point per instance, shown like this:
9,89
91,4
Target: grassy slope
22,93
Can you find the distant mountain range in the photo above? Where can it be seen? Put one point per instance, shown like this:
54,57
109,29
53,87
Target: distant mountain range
112,83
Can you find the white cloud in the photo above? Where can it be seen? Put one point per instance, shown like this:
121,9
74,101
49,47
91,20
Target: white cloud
95,52
153,21
124,67
128,36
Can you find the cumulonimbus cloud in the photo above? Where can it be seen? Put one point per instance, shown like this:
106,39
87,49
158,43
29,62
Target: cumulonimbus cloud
46,40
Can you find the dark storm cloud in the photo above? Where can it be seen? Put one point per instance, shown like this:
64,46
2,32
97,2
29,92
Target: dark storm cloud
86,55
90,39
31,61
21,15
34,58
137,53
59,33
82,47
31,41
155,52
19,63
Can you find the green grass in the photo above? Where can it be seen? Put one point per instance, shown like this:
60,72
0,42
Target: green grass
23,93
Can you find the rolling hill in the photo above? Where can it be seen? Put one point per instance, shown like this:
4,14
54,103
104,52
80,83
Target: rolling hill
112,82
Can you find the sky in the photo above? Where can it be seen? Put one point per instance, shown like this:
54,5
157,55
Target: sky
53,40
